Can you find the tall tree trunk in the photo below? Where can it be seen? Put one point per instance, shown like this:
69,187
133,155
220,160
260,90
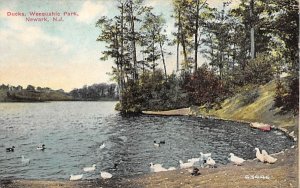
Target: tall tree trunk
196,36
153,52
121,84
135,76
182,37
163,58
177,52
252,29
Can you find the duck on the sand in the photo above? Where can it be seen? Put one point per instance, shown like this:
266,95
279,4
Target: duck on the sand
268,158
236,160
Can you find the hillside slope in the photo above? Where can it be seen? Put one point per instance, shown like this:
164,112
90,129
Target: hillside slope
255,105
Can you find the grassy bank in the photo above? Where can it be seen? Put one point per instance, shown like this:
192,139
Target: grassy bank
254,104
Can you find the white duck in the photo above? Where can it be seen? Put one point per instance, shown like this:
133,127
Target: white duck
268,158
41,147
157,168
236,160
210,162
171,168
75,177
24,160
156,144
90,169
185,165
259,156
194,159
197,162
105,175
205,156
102,146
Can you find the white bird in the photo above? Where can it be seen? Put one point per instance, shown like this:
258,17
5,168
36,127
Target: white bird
259,156
105,175
197,162
268,158
90,169
194,159
41,147
171,168
102,146
157,168
75,177
292,134
156,144
236,160
210,161
205,156
185,165
25,161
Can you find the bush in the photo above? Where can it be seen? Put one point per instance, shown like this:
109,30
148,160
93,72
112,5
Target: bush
258,70
204,87
287,95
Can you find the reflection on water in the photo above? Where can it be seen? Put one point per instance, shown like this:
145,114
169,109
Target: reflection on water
74,131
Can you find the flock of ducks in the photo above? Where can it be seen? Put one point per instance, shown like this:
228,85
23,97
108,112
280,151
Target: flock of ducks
24,160
203,160
104,175
208,161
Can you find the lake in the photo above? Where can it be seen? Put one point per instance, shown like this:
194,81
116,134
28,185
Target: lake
74,131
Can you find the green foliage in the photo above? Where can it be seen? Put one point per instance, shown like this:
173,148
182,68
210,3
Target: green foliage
161,94
131,102
94,92
287,95
259,70
204,87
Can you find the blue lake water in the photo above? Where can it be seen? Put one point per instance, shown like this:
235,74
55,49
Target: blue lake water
74,131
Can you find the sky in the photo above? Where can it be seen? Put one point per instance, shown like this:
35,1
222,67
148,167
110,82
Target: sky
61,54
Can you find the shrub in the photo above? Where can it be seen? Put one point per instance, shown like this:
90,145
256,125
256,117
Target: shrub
258,70
287,95
204,87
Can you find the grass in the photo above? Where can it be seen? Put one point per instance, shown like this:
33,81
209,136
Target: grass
261,110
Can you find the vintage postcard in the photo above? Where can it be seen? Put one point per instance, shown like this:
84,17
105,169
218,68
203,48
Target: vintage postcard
149,93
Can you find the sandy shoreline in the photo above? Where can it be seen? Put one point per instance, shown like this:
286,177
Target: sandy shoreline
283,173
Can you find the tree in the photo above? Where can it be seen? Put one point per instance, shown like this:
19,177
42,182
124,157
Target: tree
154,37
30,88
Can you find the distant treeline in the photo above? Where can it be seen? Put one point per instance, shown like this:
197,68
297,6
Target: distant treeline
31,93
94,92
